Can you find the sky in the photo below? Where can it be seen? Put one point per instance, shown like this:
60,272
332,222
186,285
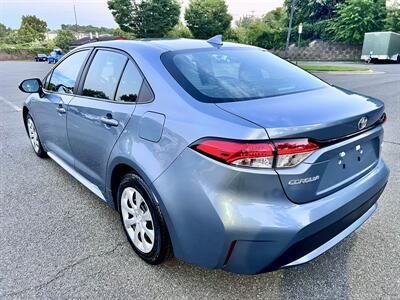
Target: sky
96,12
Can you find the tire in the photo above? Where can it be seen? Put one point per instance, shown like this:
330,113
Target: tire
143,222
34,137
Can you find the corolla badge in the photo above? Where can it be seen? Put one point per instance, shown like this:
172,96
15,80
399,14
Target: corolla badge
362,123
303,180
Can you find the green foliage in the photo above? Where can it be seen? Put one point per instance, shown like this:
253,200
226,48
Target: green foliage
267,32
122,10
277,18
26,34
87,28
245,21
206,18
312,11
27,50
64,39
263,35
319,30
393,19
120,33
33,27
154,18
356,17
319,68
4,31
147,19
180,31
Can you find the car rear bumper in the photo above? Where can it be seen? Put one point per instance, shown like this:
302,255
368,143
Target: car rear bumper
207,206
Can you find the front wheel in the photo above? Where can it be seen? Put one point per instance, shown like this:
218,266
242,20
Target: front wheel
142,220
34,137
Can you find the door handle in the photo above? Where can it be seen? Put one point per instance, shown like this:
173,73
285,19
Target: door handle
61,109
109,121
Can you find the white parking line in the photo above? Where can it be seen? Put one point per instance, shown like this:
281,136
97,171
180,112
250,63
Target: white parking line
10,104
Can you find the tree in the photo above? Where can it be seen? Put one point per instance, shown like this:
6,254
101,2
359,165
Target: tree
356,17
277,18
34,24
118,32
246,21
64,39
87,28
206,18
4,30
312,11
180,31
393,19
122,10
154,18
26,34
147,19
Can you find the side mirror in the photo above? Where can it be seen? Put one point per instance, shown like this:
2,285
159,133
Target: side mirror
33,85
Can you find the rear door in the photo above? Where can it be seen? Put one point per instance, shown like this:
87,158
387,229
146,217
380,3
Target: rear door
109,89
50,111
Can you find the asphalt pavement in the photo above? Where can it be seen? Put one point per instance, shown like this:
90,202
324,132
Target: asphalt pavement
57,240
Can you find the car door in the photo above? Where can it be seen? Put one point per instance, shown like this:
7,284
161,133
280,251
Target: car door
108,94
50,112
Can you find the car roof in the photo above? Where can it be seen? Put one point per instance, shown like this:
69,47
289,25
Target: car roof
161,44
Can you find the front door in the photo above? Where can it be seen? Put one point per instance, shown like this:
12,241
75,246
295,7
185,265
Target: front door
97,118
51,111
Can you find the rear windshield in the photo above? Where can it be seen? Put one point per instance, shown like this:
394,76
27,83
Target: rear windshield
235,74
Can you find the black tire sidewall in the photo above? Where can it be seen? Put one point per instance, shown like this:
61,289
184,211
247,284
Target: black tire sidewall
159,251
41,153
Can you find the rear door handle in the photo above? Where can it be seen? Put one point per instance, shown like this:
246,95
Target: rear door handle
109,121
61,109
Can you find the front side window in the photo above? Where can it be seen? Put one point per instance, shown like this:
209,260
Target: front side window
103,75
129,86
64,76
234,74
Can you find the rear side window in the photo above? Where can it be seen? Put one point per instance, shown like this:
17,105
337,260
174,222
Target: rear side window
235,74
103,75
130,84
64,76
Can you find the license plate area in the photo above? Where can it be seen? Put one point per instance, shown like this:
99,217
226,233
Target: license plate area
350,163
332,167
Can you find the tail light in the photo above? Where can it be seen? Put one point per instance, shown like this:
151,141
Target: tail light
291,153
280,154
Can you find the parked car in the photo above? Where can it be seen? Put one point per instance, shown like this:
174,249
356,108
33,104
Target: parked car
221,154
55,56
40,57
381,46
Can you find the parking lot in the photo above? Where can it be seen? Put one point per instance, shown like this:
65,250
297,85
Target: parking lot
57,240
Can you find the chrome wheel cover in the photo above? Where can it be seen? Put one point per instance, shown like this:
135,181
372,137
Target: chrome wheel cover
137,219
33,135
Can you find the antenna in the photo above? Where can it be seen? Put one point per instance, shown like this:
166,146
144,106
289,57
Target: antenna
76,20
216,41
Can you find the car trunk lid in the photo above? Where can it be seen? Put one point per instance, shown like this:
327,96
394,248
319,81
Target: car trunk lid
330,117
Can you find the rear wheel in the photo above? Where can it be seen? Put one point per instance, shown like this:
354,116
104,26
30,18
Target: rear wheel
34,137
142,220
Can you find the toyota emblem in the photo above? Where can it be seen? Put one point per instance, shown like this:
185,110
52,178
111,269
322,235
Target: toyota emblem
362,123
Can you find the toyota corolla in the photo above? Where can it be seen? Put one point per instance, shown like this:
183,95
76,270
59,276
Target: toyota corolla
220,154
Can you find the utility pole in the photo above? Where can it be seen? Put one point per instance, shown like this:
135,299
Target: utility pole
76,20
286,55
